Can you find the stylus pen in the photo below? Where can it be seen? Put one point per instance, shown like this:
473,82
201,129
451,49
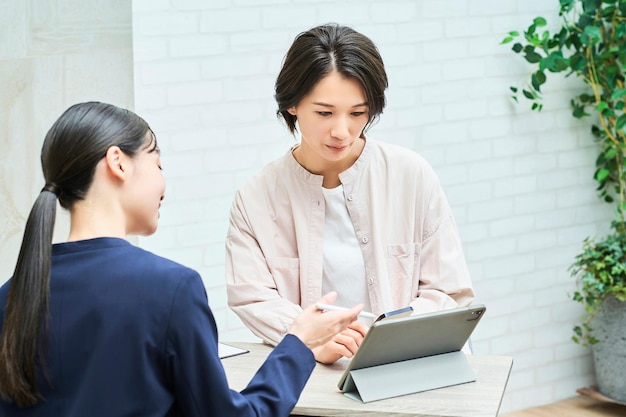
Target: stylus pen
321,306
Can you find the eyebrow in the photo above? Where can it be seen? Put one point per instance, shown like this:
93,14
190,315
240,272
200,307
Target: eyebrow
320,103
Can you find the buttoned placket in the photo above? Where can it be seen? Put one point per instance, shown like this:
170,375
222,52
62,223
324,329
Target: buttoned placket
352,203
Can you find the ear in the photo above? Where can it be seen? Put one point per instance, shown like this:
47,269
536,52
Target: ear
115,160
291,111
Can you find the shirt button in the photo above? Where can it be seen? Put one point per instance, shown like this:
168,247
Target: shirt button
370,280
350,197
364,239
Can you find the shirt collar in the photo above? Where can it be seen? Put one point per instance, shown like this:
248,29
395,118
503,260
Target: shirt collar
345,177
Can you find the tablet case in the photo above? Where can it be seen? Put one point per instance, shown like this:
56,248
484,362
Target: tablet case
412,354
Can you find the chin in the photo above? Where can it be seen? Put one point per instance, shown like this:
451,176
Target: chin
147,231
335,157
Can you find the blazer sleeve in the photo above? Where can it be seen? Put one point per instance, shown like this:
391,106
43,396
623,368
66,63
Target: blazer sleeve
196,371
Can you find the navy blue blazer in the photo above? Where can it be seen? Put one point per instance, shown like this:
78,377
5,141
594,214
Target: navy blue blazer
131,334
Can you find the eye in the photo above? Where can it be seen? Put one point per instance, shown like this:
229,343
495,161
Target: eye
358,113
324,113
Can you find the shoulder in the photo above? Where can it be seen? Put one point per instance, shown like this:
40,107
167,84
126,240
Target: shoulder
137,270
269,174
272,180
162,268
158,283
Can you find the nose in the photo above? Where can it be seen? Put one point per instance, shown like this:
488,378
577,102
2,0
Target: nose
341,128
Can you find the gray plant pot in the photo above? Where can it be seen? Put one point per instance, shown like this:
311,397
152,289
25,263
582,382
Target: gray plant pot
609,354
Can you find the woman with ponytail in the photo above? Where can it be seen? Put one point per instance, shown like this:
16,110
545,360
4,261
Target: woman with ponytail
98,327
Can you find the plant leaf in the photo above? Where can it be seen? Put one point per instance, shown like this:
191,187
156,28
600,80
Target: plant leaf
602,174
531,56
594,33
620,122
537,79
617,94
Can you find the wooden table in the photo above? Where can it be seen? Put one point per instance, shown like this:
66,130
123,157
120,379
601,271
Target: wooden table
321,396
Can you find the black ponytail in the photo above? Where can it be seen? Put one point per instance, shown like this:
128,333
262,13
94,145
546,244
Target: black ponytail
26,322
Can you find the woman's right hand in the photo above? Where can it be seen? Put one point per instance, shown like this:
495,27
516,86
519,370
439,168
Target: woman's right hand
315,327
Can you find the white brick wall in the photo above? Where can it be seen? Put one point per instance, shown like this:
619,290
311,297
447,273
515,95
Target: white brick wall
52,54
519,182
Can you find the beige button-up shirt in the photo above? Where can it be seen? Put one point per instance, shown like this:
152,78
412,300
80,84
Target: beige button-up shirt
409,239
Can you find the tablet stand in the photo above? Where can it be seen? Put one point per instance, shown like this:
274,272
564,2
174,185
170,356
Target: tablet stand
408,377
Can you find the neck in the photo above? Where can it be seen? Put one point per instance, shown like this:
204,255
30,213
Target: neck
89,221
331,181
330,170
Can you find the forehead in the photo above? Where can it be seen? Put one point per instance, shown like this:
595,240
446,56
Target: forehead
336,89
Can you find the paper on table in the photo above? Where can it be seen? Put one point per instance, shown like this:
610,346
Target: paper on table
226,351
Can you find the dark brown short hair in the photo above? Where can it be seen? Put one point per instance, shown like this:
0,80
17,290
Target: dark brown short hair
320,50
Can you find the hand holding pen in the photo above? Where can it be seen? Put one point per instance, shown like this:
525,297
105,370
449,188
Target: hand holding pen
346,342
315,329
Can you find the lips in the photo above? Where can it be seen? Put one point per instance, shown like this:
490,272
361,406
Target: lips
337,148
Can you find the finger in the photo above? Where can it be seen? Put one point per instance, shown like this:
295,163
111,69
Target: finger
356,309
353,334
360,327
329,297
355,340
324,354
348,342
351,315
334,347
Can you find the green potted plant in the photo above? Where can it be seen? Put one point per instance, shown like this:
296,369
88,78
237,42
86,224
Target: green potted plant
590,44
